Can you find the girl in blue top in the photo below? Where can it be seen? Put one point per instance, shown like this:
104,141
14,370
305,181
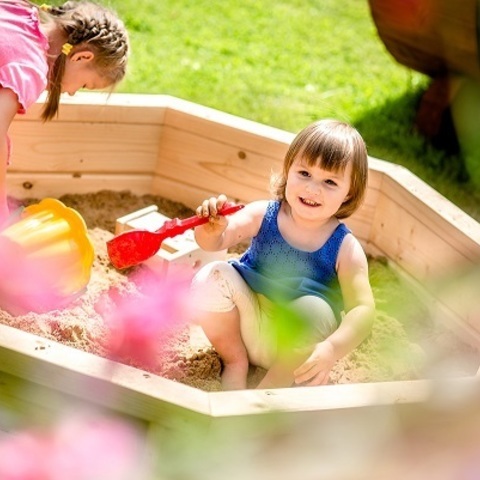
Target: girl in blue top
303,267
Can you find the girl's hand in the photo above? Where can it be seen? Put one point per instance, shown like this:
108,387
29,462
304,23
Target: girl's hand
210,208
316,369
224,231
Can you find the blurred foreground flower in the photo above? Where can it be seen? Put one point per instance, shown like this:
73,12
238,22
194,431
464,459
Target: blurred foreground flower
79,448
140,323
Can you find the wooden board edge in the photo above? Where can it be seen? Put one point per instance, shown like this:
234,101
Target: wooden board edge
41,185
95,379
353,397
438,204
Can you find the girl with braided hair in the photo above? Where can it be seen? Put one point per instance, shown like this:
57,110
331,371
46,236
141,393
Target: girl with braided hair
61,49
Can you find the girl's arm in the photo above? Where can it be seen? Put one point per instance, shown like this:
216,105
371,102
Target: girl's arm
357,322
8,109
222,232
357,297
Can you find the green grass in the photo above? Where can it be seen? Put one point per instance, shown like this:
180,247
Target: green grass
286,63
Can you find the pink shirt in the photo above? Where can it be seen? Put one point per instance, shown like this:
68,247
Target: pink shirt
23,52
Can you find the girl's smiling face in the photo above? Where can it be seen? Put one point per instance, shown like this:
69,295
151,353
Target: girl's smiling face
315,193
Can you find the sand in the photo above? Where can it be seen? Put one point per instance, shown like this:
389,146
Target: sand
394,351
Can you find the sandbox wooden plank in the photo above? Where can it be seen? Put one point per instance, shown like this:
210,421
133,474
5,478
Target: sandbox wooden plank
99,107
101,148
421,230
41,185
96,380
327,397
216,165
222,127
24,404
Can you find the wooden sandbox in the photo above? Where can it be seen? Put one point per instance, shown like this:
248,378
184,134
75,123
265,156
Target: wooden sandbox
186,152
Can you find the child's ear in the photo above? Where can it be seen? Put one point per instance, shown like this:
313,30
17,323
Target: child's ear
83,56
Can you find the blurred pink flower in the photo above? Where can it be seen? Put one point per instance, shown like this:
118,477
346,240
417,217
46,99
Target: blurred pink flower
140,323
79,448
25,456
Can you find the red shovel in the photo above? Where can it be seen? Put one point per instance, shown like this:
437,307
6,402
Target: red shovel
135,246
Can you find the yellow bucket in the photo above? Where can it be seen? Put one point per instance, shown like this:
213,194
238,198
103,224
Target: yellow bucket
48,253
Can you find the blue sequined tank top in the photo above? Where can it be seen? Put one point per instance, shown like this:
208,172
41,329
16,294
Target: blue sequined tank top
282,273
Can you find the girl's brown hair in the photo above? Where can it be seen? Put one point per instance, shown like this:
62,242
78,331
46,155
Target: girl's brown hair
330,144
92,27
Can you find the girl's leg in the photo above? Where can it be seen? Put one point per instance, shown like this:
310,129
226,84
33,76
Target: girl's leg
307,321
223,332
318,316
228,312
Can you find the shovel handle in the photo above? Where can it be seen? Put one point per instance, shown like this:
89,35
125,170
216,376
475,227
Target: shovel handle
175,226
135,246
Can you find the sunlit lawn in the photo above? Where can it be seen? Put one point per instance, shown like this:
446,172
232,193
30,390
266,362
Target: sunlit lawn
286,63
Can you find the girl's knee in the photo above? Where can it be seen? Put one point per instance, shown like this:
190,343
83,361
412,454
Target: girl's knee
318,314
213,271
213,287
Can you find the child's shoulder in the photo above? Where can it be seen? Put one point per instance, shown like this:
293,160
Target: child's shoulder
253,214
258,207
351,250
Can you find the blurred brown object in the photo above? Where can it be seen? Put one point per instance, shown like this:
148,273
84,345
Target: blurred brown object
438,38
434,37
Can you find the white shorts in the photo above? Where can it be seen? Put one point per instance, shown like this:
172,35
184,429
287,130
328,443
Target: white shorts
218,287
